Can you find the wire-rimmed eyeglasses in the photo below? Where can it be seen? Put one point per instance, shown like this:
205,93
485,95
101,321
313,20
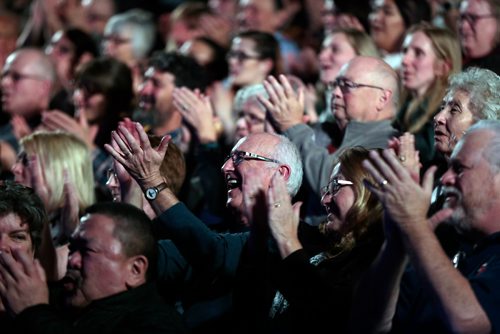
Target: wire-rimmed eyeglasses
333,187
347,86
238,156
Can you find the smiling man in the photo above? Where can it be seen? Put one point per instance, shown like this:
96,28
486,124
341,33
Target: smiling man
459,296
107,287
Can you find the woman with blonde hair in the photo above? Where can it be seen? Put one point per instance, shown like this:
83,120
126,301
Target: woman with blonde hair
430,56
58,166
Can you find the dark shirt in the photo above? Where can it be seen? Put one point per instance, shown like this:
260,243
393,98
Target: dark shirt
418,313
139,310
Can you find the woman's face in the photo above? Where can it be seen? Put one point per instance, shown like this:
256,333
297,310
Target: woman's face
21,170
386,25
335,53
62,51
452,121
338,198
93,106
254,115
418,71
245,67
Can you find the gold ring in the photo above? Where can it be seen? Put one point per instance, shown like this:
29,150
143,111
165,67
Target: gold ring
277,204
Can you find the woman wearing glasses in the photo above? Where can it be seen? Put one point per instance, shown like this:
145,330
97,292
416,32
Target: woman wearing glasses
314,291
430,56
479,31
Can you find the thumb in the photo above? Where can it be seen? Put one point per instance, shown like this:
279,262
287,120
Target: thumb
82,119
296,208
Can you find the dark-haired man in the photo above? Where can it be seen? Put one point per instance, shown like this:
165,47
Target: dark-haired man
107,286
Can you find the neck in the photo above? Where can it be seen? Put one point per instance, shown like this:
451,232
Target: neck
167,123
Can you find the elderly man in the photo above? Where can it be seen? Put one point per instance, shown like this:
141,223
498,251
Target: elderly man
216,259
107,287
460,296
27,85
364,102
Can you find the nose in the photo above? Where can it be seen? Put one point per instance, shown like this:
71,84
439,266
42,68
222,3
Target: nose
439,118
74,260
323,55
326,199
406,58
17,169
448,178
227,166
146,87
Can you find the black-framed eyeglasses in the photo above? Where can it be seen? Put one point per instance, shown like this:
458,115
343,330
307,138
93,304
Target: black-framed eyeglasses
16,76
473,18
347,86
333,187
240,56
238,156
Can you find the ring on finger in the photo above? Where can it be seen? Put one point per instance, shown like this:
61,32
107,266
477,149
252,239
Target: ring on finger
402,158
277,204
383,183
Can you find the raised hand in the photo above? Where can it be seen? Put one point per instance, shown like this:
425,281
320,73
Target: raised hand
140,160
404,199
285,107
283,217
404,148
57,120
197,111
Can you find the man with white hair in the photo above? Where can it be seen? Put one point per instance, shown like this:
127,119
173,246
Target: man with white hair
215,258
459,296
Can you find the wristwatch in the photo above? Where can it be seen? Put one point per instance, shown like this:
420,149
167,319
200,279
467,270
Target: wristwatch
152,192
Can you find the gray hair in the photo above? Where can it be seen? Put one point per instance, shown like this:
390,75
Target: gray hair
492,150
142,28
287,153
483,88
248,92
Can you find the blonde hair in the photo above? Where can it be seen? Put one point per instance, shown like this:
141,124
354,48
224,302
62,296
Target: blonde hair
360,41
365,213
447,49
59,151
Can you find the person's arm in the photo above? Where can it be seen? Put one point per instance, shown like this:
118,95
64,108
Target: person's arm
407,203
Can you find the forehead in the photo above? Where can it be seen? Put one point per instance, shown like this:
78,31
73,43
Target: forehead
243,43
152,72
95,227
475,6
12,222
459,97
419,39
259,143
470,150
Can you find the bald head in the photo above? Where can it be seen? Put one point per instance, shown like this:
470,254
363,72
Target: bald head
35,62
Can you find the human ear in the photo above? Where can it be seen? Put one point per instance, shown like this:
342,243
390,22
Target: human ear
137,268
285,171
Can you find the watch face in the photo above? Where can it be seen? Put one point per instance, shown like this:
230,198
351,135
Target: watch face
151,193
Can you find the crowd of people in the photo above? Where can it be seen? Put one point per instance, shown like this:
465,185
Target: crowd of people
249,166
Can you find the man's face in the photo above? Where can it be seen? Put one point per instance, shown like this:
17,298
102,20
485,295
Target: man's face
156,92
24,90
256,15
235,171
470,187
477,28
14,234
97,265
356,104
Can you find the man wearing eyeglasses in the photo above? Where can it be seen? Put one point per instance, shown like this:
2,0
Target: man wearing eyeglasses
479,31
27,84
217,260
365,97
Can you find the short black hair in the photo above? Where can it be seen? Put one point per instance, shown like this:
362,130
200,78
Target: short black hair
187,72
25,203
133,229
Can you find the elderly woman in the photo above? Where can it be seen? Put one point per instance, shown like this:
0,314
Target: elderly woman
314,291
